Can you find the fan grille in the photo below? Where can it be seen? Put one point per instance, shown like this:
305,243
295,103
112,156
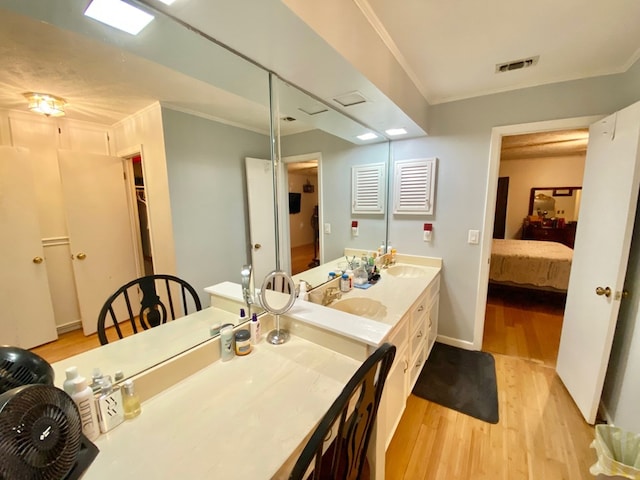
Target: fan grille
40,432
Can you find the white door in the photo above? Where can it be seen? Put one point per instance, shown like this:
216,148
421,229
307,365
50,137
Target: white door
608,206
27,317
100,237
261,217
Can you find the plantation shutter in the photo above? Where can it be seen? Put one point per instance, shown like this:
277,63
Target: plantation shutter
367,189
414,191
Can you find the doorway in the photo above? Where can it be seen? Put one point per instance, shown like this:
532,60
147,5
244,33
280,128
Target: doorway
140,212
544,299
304,211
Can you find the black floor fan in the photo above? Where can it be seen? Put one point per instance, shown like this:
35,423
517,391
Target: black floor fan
40,428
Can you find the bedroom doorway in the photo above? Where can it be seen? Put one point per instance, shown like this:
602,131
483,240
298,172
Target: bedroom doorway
526,321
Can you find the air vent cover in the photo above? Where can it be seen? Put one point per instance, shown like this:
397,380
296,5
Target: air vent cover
350,99
517,64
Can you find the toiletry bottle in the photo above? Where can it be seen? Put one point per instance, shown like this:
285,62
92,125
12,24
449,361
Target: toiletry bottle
381,249
226,343
303,294
349,273
243,316
130,400
68,385
84,400
255,329
344,283
110,408
242,342
118,376
96,380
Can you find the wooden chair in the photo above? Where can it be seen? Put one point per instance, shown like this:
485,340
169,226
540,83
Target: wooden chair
353,413
151,292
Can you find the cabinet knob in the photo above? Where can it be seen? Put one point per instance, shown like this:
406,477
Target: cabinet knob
419,334
38,260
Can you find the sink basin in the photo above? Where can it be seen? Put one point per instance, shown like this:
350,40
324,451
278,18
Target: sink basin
363,307
406,271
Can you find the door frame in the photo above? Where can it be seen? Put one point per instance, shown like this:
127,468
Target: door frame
490,203
283,211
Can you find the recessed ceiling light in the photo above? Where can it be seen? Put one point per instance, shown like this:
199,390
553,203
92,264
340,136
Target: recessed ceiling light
167,2
396,131
367,136
119,14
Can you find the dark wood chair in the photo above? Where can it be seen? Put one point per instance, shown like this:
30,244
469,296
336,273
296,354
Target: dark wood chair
154,293
345,458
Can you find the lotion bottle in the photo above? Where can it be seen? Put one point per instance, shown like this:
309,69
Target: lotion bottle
303,294
254,328
84,400
68,385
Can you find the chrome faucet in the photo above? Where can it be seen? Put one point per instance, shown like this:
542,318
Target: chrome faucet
330,294
248,289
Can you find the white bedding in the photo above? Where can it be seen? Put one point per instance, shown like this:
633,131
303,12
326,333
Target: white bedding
531,263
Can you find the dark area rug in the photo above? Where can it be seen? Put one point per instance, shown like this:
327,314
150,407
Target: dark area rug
462,380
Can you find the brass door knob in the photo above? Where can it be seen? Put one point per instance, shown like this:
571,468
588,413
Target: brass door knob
603,291
81,256
38,260
257,246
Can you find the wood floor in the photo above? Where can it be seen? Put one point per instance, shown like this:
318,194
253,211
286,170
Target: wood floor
541,434
301,258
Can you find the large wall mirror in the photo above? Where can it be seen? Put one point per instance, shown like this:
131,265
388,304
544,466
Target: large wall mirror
187,127
555,202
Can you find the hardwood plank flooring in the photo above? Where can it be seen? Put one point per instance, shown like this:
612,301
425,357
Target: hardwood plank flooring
541,434
301,258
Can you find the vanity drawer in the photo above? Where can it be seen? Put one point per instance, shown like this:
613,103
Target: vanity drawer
399,335
419,335
419,311
433,290
416,366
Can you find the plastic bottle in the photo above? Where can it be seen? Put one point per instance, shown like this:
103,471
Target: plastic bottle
130,400
83,398
226,343
381,249
344,283
303,294
254,328
68,385
349,273
96,382
243,316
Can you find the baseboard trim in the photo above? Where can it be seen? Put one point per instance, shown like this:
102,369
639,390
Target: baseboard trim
454,342
69,327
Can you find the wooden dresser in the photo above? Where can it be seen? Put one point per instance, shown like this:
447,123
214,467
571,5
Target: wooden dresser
536,231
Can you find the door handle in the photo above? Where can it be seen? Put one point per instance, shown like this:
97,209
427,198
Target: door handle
603,291
38,260
257,246
81,256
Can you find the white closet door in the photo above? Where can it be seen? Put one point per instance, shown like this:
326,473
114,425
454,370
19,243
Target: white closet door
100,236
26,319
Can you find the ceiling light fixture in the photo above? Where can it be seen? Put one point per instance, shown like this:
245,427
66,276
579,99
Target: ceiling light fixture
46,104
367,136
118,14
396,131
167,2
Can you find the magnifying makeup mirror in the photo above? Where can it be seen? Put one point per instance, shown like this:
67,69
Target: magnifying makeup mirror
277,296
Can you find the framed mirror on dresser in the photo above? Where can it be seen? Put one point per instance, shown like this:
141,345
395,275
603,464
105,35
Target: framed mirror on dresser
553,214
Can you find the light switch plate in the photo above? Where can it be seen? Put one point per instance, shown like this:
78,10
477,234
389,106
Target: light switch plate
474,237
327,228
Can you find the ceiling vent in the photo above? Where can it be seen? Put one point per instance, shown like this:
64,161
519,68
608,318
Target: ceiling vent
517,64
350,99
314,110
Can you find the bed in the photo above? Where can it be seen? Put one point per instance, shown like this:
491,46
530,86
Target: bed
531,264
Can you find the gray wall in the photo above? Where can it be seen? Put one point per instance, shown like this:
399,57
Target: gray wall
460,137
205,165
338,156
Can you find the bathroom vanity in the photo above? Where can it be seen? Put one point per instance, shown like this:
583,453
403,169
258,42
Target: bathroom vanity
401,308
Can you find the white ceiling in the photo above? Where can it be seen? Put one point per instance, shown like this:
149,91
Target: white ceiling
450,48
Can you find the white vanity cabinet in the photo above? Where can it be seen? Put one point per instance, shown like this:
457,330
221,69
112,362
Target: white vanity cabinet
413,336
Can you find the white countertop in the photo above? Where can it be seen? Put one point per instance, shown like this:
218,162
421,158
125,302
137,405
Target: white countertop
241,419
136,353
397,294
